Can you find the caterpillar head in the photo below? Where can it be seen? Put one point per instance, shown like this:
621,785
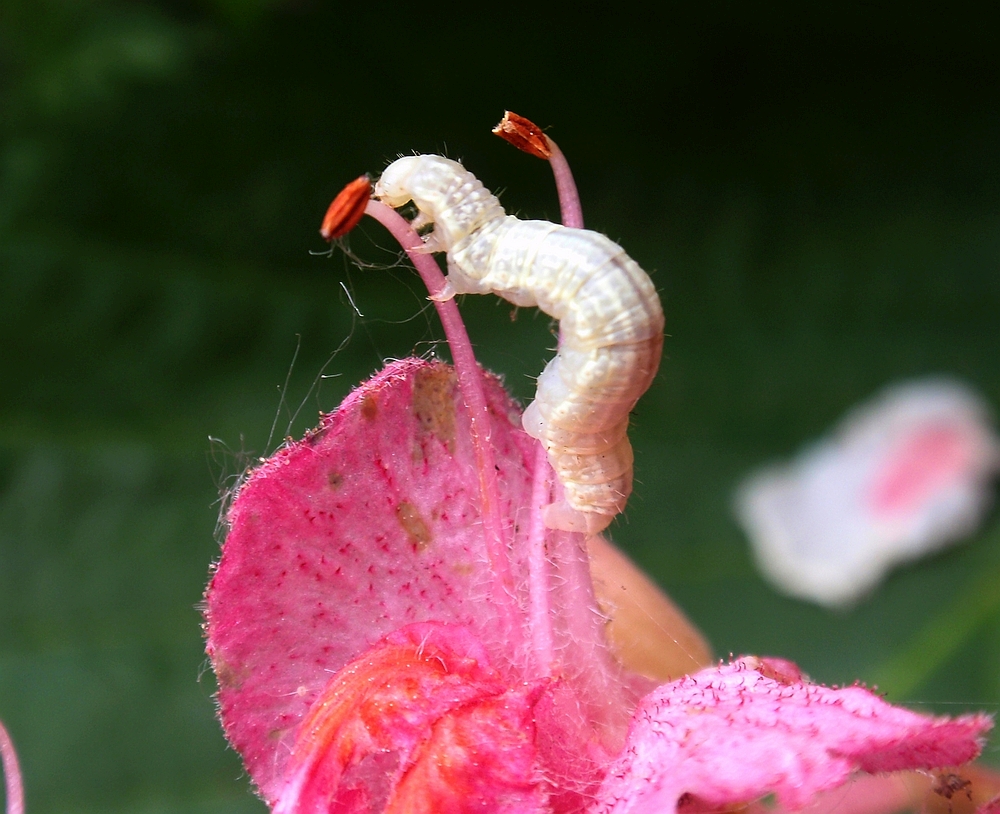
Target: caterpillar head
395,187
445,193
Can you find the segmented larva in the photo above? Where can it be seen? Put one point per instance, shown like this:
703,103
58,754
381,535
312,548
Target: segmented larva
610,319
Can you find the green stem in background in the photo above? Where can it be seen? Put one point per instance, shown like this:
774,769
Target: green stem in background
942,637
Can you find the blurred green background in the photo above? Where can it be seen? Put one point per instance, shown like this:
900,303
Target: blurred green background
818,198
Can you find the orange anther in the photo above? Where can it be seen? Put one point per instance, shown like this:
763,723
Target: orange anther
523,134
347,208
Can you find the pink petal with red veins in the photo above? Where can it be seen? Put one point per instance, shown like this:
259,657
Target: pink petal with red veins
730,735
373,522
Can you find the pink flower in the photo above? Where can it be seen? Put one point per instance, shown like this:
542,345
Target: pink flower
369,658
394,630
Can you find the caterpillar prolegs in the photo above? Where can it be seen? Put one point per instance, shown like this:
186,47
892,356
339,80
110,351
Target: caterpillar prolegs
610,320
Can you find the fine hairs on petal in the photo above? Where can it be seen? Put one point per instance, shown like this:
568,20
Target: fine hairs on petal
730,734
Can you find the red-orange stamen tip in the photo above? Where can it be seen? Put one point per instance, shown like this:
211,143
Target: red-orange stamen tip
523,134
347,208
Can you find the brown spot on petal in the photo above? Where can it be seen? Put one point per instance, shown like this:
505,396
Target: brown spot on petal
464,569
335,480
369,407
347,208
434,403
523,134
975,791
781,670
228,677
413,524
948,784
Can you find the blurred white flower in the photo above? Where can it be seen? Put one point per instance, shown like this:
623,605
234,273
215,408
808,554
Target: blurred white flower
900,476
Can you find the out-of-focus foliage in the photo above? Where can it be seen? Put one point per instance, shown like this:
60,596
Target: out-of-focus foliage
819,199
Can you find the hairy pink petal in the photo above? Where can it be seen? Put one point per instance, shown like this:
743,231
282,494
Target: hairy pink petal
730,735
373,522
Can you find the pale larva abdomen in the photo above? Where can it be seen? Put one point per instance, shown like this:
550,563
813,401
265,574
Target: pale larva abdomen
611,325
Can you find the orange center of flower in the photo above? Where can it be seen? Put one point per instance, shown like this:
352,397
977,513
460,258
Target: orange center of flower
417,724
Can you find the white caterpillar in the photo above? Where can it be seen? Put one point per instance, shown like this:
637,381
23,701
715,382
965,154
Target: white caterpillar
610,318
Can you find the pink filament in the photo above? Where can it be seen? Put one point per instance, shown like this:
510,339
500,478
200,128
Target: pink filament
539,607
12,774
569,198
469,382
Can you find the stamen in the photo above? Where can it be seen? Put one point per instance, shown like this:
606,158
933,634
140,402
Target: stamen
528,136
523,134
347,209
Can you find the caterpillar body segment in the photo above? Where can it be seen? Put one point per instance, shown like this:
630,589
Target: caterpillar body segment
610,319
